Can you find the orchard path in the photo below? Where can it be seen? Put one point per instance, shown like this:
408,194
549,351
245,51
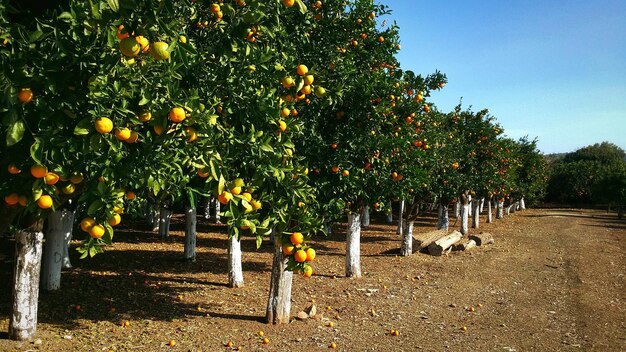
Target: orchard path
553,281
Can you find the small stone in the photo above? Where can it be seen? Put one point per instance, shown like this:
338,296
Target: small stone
302,316
38,342
311,310
68,337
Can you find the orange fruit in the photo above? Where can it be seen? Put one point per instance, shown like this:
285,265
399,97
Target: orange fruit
76,178
306,90
335,169
104,125
145,117
51,178
302,70
320,92
115,220
143,42
296,238
25,95
266,341
288,249
287,82
122,133
158,51
333,345
308,79
121,32
236,190
158,129
381,39
191,133
129,47
345,173
256,205
225,197
13,170
289,3
130,195
134,137
310,254
284,112
118,210
215,8
38,171
87,223
96,231
202,173
172,343
45,202
247,196
12,199
23,201
282,126
308,271
177,115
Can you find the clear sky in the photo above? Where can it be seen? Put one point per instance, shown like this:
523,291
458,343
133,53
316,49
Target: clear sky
552,69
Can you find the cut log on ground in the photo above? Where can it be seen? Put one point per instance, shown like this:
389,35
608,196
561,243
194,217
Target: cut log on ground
464,245
422,240
482,238
439,246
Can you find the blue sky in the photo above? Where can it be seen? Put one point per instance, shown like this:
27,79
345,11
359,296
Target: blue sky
555,70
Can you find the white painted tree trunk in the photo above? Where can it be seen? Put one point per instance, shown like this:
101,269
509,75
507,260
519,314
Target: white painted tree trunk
66,263
443,220
500,210
235,271
457,210
512,206
522,204
476,216
217,206
353,246
465,209
207,207
517,206
400,217
60,225
164,222
365,218
28,251
389,213
489,214
471,206
482,205
407,239
328,227
279,302
190,234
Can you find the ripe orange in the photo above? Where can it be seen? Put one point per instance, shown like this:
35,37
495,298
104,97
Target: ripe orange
335,169
333,345
38,171
13,170
129,47
159,129
104,125
23,201
158,51
288,249
76,178
289,3
25,95
130,195
191,133
236,190
282,126
96,231
51,178
308,80
308,271
215,8
256,205
121,32
306,90
12,199
202,173
300,256
134,136
145,117
296,238
177,114
287,82
247,196
284,112
381,39
115,220
143,42
266,341
87,223
345,173
45,202
302,70
310,254
225,197
122,133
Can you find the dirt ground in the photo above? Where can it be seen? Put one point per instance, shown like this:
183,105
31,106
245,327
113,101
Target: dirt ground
553,281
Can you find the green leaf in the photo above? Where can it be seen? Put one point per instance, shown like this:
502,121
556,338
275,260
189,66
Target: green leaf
259,241
143,101
15,132
301,6
114,5
82,127
94,207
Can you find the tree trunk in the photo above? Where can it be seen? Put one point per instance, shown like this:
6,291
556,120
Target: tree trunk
476,217
438,247
279,302
66,263
464,245
620,212
471,206
217,206
423,240
400,217
235,271
482,205
512,206
444,221
23,321
60,225
365,219
465,208
164,222
389,213
190,234
407,239
489,214
206,207
522,204
482,238
500,210
353,246
457,210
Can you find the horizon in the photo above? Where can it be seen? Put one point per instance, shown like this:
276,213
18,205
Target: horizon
552,71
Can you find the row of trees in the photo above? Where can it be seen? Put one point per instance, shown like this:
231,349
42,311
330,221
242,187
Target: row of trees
290,113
